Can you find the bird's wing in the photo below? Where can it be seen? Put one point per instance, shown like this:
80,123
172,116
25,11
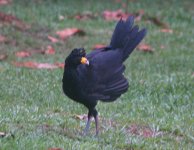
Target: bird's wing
103,79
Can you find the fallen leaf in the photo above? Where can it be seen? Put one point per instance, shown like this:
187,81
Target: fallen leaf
35,65
124,5
133,129
86,15
44,66
65,33
61,17
162,46
2,134
53,39
115,15
5,2
45,126
158,22
60,65
10,19
144,131
27,53
139,15
3,57
82,117
50,50
3,39
25,64
98,46
85,117
166,30
192,75
145,47
23,54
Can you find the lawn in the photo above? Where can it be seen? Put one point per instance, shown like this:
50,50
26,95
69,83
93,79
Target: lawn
157,112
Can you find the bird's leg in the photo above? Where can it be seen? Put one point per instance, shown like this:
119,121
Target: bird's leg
95,114
87,124
97,124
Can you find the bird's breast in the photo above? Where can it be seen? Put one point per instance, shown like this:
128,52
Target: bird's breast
71,86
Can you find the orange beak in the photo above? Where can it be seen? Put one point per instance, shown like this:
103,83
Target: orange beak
84,61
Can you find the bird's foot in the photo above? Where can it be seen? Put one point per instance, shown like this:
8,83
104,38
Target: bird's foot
85,132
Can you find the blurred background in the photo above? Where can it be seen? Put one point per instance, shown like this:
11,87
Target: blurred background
36,36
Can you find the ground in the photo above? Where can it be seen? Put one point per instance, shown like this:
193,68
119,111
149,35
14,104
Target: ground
157,112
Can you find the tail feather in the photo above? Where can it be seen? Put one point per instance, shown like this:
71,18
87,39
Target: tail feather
126,37
132,43
121,30
133,32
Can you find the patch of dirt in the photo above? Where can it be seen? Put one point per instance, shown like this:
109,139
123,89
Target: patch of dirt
144,131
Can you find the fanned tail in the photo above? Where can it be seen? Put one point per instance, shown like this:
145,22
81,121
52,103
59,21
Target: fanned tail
126,36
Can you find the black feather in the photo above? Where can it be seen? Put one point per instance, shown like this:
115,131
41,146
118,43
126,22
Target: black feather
103,79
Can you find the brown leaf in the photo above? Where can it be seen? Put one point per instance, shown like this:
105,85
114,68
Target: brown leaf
144,131
192,75
5,2
81,17
3,57
60,65
35,65
84,117
85,15
166,30
158,22
53,39
2,134
25,64
162,46
139,15
50,50
23,54
133,129
10,19
3,39
45,66
98,46
61,17
124,5
27,53
115,15
81,117
65,33
145,47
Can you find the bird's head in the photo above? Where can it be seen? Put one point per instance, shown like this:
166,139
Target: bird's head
76,57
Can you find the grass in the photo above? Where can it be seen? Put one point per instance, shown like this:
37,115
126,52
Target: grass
34,112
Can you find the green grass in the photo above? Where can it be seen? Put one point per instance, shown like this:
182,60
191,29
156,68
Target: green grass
34,112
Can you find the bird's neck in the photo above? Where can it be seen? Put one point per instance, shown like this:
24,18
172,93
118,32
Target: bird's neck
70,66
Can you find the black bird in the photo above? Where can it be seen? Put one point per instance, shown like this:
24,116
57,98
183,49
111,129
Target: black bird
99,74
